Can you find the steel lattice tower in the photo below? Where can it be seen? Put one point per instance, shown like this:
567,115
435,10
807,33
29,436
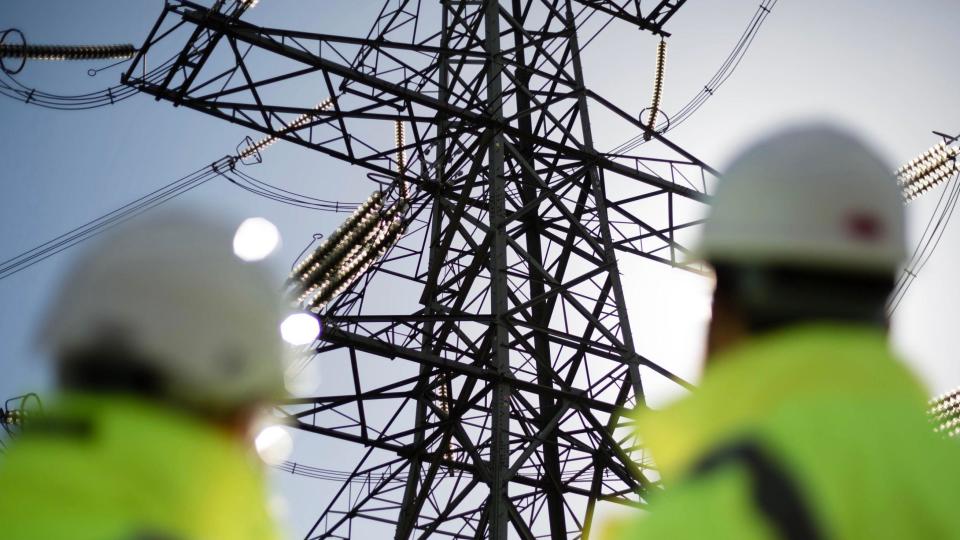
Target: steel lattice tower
507,323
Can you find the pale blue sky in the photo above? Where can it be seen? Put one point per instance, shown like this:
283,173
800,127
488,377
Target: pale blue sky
883,68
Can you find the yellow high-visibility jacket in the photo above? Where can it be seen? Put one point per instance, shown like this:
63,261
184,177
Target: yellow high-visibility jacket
808,433
113,468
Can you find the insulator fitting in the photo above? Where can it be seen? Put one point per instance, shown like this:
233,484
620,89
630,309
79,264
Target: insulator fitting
16,414
67,52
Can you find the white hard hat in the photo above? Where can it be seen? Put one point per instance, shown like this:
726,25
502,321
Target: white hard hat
169,289
810,197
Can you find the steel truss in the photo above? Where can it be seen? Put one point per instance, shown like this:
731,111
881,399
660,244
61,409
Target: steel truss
513,354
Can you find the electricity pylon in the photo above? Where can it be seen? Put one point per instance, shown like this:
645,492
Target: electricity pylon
514,357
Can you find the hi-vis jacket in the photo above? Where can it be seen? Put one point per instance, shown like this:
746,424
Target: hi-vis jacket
122,469
809,433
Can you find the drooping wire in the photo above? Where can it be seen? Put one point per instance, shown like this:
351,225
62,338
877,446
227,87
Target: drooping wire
99,225
14,89
928,243
269,191
334,475
225,167
927,171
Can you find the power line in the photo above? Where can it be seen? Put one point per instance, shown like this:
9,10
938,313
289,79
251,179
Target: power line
92,228
319,473
928,243
225,167
263,189
930,169
14,89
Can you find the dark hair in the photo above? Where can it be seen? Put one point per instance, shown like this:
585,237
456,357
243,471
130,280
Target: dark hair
770,297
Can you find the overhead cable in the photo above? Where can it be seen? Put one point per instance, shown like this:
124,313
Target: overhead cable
225,167
94,227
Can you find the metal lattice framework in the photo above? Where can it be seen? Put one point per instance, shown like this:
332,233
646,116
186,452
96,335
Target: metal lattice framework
501,413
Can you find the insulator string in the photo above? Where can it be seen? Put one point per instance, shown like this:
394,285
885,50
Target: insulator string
657,89
67,52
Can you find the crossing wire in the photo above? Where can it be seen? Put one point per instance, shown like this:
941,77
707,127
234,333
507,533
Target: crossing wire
928,243
224,167
99,225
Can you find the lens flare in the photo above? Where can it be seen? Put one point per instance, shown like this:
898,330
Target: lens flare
256,238
300,329
274,444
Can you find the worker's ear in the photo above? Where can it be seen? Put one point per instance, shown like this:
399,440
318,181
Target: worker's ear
243,423
727,328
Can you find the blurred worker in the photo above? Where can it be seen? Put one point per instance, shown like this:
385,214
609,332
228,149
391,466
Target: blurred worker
165,347
805,426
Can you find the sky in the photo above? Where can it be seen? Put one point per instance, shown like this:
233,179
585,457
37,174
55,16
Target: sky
881,68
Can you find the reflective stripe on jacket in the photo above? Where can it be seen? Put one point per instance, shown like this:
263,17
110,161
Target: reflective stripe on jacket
811,432
110,468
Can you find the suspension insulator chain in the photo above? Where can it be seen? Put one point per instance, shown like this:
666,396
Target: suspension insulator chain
443,397
400,139
252,148
945,413
657,89
67,52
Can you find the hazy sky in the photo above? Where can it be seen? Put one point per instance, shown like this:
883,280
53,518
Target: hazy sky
884,68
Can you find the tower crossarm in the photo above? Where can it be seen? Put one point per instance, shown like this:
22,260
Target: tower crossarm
645,14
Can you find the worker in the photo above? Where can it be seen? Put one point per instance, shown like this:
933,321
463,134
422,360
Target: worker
166,347
806,425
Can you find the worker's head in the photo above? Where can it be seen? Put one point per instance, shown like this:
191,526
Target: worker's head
163,309
806,226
